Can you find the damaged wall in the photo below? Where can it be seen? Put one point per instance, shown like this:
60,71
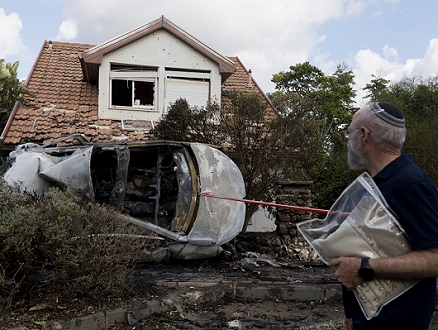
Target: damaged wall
285,242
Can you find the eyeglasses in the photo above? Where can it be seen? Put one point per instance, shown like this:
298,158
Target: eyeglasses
350,131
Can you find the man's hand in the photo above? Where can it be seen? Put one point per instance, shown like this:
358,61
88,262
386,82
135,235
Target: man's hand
348,271
348,324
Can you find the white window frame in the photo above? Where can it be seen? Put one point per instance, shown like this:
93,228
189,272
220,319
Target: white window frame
131,76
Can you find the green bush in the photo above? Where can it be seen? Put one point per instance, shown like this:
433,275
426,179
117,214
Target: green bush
60,244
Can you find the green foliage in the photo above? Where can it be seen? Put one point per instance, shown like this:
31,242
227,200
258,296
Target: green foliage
330,177
322,106
11,90
329,98
185,123
244,127
59,244
177,125
315,110
257,141
376,88
306,139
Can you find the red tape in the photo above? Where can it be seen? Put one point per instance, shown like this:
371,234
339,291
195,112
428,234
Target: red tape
280,206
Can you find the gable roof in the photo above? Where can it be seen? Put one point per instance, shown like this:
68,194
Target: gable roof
91,58
65,103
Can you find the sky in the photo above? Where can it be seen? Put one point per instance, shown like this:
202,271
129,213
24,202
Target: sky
391,39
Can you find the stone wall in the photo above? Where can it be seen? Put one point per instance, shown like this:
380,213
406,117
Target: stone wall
286,242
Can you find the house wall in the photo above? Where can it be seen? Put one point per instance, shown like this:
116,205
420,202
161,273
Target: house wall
164,51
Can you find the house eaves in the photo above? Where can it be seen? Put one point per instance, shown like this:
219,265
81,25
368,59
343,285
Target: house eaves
92,58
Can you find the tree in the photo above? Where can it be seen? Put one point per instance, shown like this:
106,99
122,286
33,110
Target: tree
185,123
323,104
376,88
331,98
306,138
248,133
11,90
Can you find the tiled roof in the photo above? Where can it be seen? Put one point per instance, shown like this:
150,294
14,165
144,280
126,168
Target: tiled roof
65,103
241,80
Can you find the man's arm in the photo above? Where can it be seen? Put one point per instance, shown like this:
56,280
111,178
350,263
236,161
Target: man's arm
414,265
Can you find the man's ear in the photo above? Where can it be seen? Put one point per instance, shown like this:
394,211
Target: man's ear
365,133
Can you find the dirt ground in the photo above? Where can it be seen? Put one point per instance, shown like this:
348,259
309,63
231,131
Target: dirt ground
226,313
233,312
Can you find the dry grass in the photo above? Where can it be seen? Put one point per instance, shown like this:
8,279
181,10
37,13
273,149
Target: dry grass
57,246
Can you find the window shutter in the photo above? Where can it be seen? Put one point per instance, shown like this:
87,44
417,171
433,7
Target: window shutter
194,91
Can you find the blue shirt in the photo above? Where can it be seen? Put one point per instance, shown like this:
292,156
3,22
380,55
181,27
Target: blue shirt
412,195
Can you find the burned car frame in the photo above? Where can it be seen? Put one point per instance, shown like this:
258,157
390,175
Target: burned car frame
154,184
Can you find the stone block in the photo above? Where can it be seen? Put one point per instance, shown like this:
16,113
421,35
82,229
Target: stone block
114,316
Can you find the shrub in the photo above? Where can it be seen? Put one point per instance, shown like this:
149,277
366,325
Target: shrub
60,244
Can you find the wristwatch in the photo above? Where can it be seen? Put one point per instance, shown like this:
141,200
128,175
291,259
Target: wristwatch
365,270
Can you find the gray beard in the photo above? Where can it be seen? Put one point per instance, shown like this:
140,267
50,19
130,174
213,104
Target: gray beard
355,159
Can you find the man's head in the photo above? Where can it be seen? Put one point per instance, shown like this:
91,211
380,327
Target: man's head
378,127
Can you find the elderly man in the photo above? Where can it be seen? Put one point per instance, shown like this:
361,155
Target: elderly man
376,136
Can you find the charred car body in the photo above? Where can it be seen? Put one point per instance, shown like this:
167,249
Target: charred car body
155,185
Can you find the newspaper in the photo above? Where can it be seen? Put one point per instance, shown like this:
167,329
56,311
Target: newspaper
360,224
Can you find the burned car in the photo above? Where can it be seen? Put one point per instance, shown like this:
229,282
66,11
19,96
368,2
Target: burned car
154,184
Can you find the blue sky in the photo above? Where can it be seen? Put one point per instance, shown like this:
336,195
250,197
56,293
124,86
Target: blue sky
388,38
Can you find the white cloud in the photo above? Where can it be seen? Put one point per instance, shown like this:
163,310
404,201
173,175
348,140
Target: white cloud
390,52
10,39
428,65
67,31
389,66
367,64
267,36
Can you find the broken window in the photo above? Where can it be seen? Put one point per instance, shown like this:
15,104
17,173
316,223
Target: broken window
133,86
132,93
